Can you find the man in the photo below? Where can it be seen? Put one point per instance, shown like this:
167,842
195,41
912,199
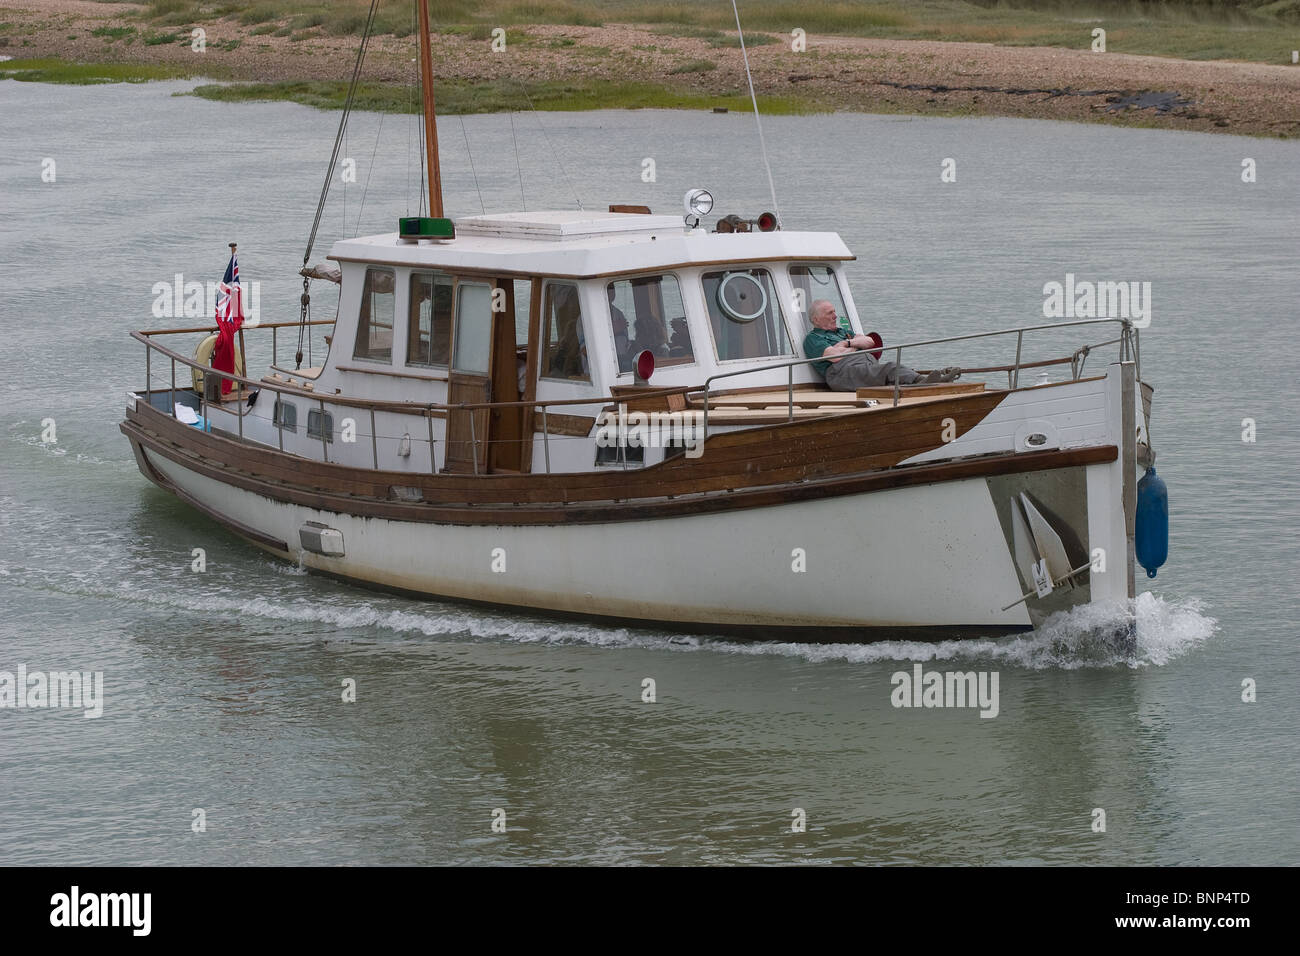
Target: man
848,365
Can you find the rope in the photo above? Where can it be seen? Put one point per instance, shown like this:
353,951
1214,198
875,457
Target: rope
762,143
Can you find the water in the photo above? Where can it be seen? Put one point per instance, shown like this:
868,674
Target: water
223,689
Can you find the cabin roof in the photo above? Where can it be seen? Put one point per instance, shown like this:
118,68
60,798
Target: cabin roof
582,244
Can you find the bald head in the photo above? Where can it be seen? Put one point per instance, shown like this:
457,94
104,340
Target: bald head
822,314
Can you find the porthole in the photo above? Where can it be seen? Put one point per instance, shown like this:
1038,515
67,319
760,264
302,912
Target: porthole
742,297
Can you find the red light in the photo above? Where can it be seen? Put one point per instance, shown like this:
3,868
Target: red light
644,363
767,222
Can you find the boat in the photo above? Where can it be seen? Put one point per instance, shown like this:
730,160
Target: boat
609,415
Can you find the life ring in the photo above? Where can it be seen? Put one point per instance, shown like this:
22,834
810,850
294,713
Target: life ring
203,356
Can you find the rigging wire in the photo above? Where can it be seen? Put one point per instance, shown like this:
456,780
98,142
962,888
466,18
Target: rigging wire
343,208
305,312
545,136
343,125
471,163
370,169
423,158
762,143
522,201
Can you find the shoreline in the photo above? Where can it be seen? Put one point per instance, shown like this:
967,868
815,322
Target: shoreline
550,66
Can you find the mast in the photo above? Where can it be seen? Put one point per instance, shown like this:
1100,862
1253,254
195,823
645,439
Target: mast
430,122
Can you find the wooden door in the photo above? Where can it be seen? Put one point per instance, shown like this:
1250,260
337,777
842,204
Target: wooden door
506,453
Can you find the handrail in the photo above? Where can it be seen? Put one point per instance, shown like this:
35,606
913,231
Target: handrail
1126,326
402,407
213,328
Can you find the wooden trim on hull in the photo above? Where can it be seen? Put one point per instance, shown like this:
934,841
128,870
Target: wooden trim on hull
535,513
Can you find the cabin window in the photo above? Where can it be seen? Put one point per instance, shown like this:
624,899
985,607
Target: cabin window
523,302
286,415
314,427
473,327
375,319
813,284
745,315
648,313
428,330
566,344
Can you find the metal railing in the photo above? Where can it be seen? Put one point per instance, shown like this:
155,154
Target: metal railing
1128,341
427,410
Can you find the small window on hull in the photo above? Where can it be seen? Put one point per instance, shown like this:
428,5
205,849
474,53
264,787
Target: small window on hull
620,454
286,415
314,425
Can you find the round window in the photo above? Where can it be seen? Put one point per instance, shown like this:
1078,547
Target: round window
742,297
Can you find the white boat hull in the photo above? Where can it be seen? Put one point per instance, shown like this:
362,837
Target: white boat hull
930,556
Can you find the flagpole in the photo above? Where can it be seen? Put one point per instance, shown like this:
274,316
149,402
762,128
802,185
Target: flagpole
234,360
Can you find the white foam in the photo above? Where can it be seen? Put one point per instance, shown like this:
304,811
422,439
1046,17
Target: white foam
283,567
1080,637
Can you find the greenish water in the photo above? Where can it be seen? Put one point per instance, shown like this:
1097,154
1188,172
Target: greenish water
223,689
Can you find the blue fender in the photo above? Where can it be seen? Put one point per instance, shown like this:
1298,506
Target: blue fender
1152,531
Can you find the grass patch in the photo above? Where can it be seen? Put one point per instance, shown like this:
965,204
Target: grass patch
1254,30
261,13
474,31
112,34
157,39
549,11
495,96
751,40
693,66
715,38
51,70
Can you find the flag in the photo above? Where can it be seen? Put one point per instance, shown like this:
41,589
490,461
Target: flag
230,319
